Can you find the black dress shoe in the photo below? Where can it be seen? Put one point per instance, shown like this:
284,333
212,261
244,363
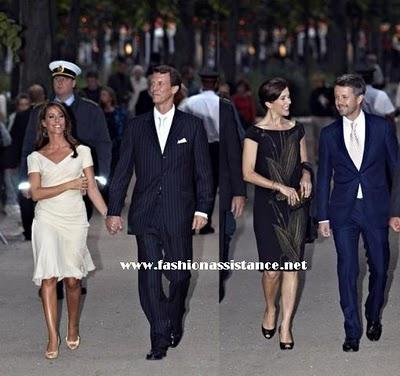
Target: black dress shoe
374,330
351,345
286,345
156,354
268,333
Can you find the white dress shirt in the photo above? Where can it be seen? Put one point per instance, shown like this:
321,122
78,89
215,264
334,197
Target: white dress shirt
205,106
360,130
68,101
163,126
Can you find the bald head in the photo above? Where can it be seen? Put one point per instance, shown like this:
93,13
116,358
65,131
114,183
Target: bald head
36,93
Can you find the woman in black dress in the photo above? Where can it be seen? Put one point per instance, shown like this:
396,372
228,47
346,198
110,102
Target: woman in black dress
275,161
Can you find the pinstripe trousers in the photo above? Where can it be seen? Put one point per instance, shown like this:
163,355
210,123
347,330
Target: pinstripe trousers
163,311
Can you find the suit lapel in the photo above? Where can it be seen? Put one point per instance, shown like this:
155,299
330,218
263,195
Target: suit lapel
367,144
176,128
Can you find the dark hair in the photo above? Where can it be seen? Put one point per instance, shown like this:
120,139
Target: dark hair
111,92
42,138
22,96
355,81
92,74
244,83
176,79
270,90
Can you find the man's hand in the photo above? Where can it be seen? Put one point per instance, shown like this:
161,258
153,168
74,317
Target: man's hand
237,206
394,223
114,224
198,222
325,229
26,193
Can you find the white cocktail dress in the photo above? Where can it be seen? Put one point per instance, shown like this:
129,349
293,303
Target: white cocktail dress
60,226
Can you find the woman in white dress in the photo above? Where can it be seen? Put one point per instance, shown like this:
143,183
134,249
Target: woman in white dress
60,172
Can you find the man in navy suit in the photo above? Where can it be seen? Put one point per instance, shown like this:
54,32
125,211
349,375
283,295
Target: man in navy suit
360,151
173,192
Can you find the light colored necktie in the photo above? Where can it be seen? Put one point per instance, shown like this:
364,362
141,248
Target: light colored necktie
355,146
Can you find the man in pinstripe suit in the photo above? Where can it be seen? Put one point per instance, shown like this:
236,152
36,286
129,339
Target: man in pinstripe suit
173,192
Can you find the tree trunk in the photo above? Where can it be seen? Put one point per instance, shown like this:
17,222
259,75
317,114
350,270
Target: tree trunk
337,37
35,18
228,49
184,39
72,43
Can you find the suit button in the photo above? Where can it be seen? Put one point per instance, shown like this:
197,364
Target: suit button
164,157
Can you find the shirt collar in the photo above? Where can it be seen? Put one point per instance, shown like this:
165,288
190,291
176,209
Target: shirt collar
168,114
68,101
358,120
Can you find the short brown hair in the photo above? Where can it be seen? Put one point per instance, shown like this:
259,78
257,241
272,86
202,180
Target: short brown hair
176,79
355,81
270,90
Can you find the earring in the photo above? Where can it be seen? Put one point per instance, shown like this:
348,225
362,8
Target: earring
44,132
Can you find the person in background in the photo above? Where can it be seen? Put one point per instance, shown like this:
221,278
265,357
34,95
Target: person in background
37,95
120,82
145,101
206,106
92,90
116,120
188,79
139,83
378,80
322,108
11,157
244,103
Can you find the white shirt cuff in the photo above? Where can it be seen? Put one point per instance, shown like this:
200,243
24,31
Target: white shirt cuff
201,214
325,221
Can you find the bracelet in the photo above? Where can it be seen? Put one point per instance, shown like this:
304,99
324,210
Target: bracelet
105,215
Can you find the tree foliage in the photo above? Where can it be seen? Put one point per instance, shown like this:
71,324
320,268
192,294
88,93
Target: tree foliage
10,34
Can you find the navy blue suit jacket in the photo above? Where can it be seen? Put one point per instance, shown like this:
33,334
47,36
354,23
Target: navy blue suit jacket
375,174
178,180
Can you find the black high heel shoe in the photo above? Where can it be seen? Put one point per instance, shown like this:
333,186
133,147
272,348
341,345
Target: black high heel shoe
286,345
268,333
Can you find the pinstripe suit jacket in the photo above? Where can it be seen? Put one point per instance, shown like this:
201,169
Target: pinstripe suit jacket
179,180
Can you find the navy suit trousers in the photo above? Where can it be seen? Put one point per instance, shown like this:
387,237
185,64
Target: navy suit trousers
377,250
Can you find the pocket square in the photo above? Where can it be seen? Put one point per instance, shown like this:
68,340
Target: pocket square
182,141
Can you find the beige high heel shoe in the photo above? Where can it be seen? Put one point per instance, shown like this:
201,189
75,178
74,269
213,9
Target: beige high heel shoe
53,354
73,345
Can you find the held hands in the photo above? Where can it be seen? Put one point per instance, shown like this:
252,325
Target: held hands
325,229
198,222
114,224
394,223
305,185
